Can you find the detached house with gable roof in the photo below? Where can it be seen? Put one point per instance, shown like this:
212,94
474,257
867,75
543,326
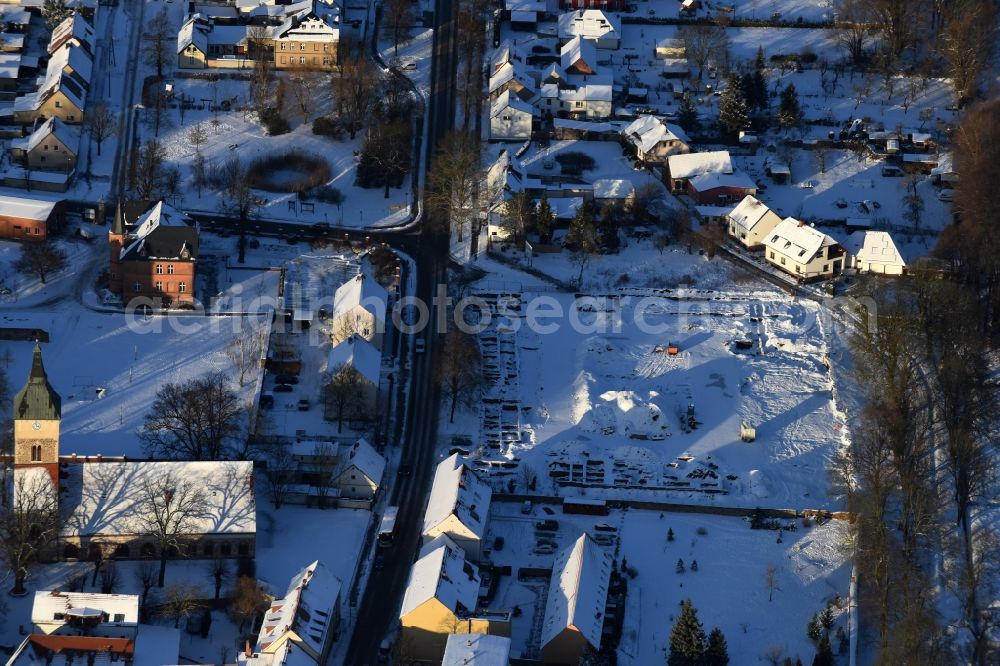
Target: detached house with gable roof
153,255
359,307
655,140
574,608
751,221
51,147
603,29
301,627
459,507
803,251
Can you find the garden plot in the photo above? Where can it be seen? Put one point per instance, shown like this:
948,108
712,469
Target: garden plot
619,416
109,367
812,569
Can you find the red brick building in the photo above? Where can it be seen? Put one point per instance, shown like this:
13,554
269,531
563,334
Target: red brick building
153,254
29,219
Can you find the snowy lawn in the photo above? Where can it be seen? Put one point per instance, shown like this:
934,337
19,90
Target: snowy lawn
812,567
22,290
131,361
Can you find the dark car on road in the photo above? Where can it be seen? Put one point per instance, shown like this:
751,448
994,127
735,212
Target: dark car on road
283,388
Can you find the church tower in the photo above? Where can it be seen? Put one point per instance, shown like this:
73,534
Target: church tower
37,410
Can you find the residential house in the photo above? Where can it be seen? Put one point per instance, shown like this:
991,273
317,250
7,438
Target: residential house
536,7
75,30
441,599
359,307
308,39
459,507
91,628
578,56
476,650
301,627
512,75
802,251
595,25
682,168
575,605
654,139
360,473
153,255
63,91
751,221
591,99
874,252
192,43
357,356
720,188
510,118
51,147
29,218
618,191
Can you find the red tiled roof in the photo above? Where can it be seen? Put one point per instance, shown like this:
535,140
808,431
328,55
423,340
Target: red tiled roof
57,644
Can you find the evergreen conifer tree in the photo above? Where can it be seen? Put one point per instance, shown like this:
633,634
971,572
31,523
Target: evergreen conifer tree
687,639
717,651
788,111
733,115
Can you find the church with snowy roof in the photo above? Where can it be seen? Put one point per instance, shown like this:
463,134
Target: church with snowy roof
107,506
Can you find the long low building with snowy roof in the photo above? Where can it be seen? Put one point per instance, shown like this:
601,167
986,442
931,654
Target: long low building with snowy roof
476,650
29,218
684,167
458,506
803,251
575,606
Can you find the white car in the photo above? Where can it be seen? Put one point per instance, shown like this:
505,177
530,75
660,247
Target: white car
946,195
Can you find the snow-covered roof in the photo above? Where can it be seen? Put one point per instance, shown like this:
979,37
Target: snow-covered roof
578,49
107,497
357,353
588,92
48,603
476,650
10,65
525,5
303,614
366,459
613,188
458,491
68,135
26,208
797,239
361,290
689,165
311,25
161,233
512,70
749,212
70,56
193,32
588,24
442,573
501,55
704,182
578,592
73,27
676,66
646,132
876,247
507,100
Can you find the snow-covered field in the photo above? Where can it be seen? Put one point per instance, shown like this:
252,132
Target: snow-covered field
812,569
129,358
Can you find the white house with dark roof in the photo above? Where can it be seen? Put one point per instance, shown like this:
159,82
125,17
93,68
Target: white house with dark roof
751,221
458,507
603,29
655,140
803,251
574,608
510,118
300,628
874,252
359,307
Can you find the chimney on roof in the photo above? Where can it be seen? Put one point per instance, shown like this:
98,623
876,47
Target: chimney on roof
801,223
246,649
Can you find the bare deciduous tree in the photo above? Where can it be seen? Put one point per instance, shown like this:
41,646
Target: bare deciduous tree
219,570
158,41
771,581
967,44
194,420
180,601
168,509
457,371
854,32
148,169
246,349
29,525
704,42
397,19
41,259
343,394
248,600
100,123
454,183
355,89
